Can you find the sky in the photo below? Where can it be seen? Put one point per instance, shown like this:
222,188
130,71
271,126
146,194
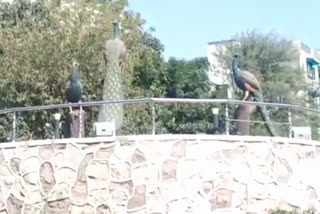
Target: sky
186,26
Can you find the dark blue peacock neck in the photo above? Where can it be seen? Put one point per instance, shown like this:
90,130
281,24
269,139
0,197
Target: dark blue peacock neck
235,66
116,31
74,77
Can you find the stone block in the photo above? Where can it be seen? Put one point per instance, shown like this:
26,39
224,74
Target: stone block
47,177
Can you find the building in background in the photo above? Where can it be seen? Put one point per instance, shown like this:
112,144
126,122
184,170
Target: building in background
217,73
309,60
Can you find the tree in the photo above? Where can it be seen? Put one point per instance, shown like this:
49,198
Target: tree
150,75
186,79
38,41
172,79
274,62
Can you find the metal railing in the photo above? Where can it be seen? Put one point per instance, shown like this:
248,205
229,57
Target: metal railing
158,101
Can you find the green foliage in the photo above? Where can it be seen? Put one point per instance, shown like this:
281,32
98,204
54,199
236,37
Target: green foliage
150,71
21,11
186,79
149,76
174,79
38,41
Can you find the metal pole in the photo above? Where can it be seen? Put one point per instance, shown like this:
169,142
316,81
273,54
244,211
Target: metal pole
215,112
14,126
153,119
57,117
227,119
290,122
80,121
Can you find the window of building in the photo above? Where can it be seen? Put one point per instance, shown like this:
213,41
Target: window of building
311,69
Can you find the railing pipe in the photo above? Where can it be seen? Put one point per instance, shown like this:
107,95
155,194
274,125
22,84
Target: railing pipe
155,100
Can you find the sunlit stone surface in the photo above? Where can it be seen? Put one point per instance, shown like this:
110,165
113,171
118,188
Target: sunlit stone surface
160,174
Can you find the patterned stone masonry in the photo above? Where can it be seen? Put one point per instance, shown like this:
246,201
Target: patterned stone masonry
141,176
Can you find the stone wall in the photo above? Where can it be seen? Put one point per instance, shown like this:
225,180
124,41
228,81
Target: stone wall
159,174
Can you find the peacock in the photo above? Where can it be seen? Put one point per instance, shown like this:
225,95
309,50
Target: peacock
250,86
74,88
114,54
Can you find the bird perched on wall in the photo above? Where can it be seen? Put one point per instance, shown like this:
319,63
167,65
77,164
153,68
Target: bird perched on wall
114,54
245,80
74,88
250,86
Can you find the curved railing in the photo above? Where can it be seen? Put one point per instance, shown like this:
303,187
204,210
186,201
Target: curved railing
158,101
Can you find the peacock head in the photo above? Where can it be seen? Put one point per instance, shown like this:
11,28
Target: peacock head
116,30
75,70
235,60
75,64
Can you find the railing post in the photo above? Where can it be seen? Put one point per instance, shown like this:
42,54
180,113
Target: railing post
290,122
57,117
227,119
14,126
153,118
215,112
80,121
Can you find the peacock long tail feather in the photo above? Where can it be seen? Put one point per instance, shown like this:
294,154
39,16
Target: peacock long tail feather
265,114
113,89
